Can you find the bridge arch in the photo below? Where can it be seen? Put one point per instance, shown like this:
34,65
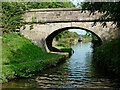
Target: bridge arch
50,37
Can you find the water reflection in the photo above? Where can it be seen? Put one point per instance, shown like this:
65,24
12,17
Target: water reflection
76,72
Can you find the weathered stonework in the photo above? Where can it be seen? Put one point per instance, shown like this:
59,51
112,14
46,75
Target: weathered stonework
57,15
59,20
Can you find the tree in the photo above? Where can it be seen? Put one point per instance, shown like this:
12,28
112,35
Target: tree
12,11
110,11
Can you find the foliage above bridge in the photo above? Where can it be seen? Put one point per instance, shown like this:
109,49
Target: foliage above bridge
110,10
12,11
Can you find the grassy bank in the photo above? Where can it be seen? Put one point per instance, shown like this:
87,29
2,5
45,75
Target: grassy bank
107,56
20,57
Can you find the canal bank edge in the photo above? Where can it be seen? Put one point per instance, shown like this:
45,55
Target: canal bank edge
27,69
47,64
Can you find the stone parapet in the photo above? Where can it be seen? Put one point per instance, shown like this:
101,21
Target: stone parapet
59,15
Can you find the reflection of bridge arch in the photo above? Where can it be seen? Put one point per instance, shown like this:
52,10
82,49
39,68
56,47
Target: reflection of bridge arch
50,37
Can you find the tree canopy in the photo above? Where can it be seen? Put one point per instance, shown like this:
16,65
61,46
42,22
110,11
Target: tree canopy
110,10
12,11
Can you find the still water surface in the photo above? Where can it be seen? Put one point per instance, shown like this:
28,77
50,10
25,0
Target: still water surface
76,72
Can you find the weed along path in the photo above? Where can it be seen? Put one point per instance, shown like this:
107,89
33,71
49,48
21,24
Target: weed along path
76,72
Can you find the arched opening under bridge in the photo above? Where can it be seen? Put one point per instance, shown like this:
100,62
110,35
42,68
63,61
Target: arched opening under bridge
50,37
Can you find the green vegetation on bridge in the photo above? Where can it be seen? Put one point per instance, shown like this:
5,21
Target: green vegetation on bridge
12,12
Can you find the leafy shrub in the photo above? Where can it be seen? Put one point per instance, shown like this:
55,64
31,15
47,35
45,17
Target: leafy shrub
12,12
107,56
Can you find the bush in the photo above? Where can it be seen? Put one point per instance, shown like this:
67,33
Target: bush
107,56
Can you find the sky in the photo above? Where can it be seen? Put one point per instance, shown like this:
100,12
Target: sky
77,1
78,31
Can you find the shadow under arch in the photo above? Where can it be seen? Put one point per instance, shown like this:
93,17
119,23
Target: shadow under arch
50,38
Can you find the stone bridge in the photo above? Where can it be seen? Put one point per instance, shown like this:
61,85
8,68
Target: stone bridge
42,25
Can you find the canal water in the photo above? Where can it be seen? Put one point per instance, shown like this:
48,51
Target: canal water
76,72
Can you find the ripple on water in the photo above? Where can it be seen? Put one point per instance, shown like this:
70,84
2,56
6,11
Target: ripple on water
76,72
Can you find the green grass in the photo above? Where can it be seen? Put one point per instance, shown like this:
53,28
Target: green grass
107,56
20,57
62,44
67,39
67,49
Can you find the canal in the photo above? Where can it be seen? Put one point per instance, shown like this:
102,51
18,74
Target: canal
76,72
